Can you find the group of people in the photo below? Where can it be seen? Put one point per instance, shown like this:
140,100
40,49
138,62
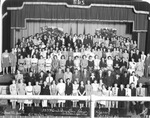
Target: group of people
77,65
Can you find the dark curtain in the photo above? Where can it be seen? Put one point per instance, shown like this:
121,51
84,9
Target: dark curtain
6,33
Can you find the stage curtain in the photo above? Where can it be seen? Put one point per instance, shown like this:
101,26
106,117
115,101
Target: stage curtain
62,12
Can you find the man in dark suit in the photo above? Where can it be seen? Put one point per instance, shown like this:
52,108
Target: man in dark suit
137,56
121,104
133,103
109,80
68,91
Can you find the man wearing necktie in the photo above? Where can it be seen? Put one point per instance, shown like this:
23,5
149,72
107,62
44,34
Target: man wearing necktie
141,93
133,79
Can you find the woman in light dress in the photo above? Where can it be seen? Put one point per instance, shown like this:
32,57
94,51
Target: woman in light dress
96,63
109,94
99,93
29,91
104,93
132,66
62,63
76,63
18,76
21,91
48,63
34,62
88,90
13,61
13,91
139,68
95,86
75,92
28,63
36,91
53,91
109,62
5,61
21,64
41,64
61,92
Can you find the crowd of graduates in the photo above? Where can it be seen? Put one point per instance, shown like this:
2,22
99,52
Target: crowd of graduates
77,65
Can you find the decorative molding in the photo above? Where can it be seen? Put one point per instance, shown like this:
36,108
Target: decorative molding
78,6
5,14
87,20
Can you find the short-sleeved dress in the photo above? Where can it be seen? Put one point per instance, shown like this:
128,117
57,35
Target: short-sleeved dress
53,89
13,91
29,91
5,57
88,89
18,77
21,63
13,59
75,91
21,91
28,62
36,91
61,91
81,90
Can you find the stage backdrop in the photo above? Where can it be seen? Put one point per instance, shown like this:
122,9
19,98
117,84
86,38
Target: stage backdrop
33,27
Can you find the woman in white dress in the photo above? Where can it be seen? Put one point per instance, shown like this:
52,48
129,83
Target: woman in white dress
132,66
75,92
95,86
28,63
104,93
109,63
143,57
96,63
21,91
61,92
34,62
29,91
48,63
13,91
77,63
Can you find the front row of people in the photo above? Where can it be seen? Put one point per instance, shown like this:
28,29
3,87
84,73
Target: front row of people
76,89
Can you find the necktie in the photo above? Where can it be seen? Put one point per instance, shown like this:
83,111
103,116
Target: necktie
140,91
115,91
133,79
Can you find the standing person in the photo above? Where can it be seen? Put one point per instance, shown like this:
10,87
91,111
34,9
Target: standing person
121,104
75,92
13,61
55,64
59,75
67,74
109,93
13,91
21,91
21,64
128,94
28,63
34,62
115,93
141,93
90,64
147,65
139,68
84,62
133,79
53,91
36,91
96,63
103,94
44,91
49,79
29,91
62,63
18,76
88,90
41,64
5,61
85,75
133,103
69,63
61,92
48,63
68,91
81,92
76,76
